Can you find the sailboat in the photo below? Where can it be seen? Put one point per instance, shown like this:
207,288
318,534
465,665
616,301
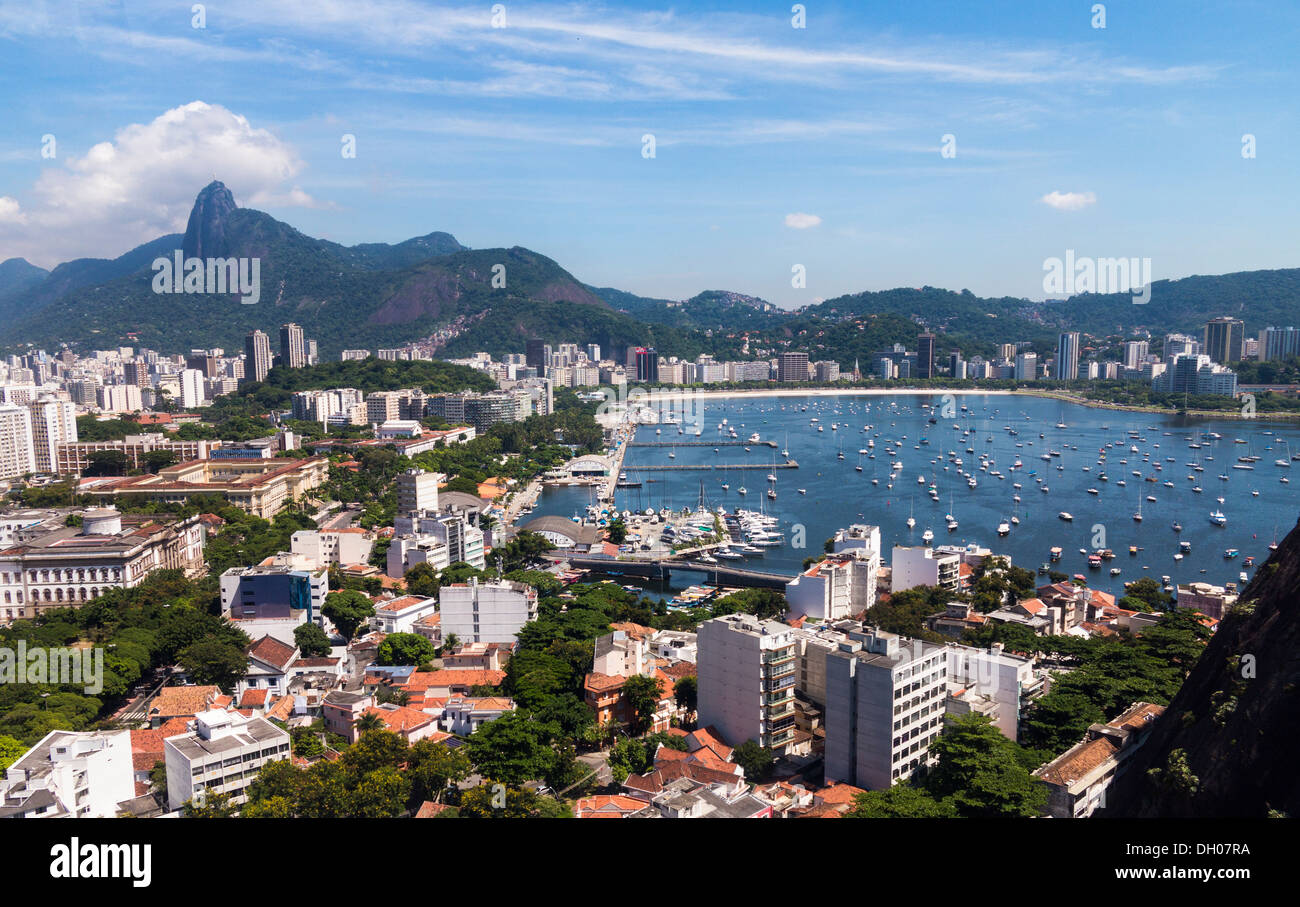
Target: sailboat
1137,517
911,520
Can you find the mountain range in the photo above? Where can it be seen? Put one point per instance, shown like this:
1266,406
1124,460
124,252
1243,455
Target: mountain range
377,294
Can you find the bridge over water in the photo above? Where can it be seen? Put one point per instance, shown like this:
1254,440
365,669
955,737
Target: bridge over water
661,569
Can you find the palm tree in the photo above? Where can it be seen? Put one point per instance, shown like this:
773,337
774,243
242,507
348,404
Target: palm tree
369,721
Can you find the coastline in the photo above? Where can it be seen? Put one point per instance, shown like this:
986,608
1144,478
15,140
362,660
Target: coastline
1063,396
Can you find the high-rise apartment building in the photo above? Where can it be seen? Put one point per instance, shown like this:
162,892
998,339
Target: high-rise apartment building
257,356
417,491
293,346
17,457
747,670
54,422
647,364
884,708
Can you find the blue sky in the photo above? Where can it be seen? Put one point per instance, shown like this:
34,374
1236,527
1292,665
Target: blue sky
775,146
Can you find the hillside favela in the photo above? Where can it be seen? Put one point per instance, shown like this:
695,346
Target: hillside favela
969,500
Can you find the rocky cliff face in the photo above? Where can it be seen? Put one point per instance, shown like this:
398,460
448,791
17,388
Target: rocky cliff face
1229,743
205,234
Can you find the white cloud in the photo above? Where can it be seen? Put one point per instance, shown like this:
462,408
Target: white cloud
142,184
10,211
802,221
1069,201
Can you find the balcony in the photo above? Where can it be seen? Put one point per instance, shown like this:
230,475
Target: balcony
778,656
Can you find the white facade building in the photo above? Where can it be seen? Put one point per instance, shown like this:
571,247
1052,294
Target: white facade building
884,707
70,774
221,753
17,457
746,673
922,566
486,612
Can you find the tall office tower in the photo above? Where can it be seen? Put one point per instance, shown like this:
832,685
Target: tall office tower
957,366
647,364
746,672
1134,352
313,353
293,346
593,352
925,355
1279,343
1222,340
792,367
537,355
17,456
884,707
257,356
54,422
417,491
1067,356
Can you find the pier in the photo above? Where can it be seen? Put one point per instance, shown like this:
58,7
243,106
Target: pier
788,464
727,443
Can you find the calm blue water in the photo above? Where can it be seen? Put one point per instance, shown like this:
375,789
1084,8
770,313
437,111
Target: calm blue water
838,495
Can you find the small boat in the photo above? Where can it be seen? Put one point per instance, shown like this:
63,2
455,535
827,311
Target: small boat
1004,528
803,490
1115,571
1067,517
1218,519
1230,554
1055,554
927,536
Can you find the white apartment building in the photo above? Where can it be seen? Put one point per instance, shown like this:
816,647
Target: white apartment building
884,707
417,491
623,654
992,682
406,551
399,615
70,774
17,456
922,566
54,422
746,674
192,390
222,752
486,612
835,588
321,548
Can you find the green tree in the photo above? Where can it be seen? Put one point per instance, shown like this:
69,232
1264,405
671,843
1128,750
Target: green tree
496,801
369,722
405,649
686,692
642,694
434,767
213,661
422,580
756,760
980,772
512,749
899,802
617,531
311,640
10,750
106,463
347,609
